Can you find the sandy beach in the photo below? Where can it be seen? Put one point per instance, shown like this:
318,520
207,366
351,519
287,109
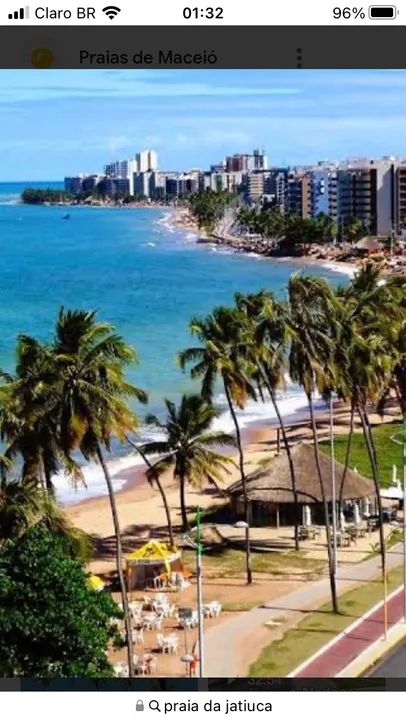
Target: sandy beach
140,507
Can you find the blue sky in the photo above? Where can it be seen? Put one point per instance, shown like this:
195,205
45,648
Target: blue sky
60,122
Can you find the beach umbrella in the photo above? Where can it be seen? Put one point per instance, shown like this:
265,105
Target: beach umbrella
95,583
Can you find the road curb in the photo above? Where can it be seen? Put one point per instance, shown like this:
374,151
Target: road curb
375,652
341,635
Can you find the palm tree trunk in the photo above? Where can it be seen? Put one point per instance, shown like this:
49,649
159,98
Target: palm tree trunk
161,490
182,487
347,456
372,455
333,587
244,484
290,460
119,558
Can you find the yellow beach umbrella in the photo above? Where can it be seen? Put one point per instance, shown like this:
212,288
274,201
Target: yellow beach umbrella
95,583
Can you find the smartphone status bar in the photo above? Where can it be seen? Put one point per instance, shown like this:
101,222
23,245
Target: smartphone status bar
214,13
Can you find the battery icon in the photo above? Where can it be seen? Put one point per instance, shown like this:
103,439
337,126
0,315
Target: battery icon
382,12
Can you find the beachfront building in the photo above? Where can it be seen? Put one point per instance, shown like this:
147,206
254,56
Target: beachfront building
323,191
401,196
299,196
366,189
147,161
74,185
142,184
221,180
270,492
246,163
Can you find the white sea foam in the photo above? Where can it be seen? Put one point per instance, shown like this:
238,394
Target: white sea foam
292,402
340,268
95,484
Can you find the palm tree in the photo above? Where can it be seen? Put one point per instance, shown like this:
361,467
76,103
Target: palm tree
187,447
154,479
90,394
265,340
27,421
311,365
374,318
219,357
20,504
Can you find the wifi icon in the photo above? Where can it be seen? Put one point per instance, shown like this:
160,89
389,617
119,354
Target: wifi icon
111,11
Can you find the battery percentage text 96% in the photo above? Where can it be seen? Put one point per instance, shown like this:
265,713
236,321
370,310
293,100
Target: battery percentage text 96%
348,13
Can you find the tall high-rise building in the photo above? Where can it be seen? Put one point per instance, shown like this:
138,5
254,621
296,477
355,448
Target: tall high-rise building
299,195
324,192
368,191
147,161
247,163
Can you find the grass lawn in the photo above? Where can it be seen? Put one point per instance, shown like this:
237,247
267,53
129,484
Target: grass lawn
388,452
226,562
282,656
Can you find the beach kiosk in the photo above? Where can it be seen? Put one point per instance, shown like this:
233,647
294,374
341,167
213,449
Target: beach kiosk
153,560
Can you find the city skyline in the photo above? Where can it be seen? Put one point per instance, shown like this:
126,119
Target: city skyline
82,119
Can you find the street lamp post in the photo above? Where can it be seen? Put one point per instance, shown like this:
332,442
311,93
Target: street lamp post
197,546
199,594
242,525
333,482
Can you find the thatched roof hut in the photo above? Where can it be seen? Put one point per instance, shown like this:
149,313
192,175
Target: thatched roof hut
369,244
270,490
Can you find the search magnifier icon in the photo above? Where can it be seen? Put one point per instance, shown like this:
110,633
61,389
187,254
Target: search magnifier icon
154,705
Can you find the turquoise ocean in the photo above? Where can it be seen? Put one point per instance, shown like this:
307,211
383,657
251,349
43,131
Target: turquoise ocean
142,275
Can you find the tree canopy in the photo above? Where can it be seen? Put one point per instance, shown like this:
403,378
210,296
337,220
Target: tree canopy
51,623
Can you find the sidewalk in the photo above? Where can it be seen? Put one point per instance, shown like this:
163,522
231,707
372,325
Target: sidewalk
347,647
223,642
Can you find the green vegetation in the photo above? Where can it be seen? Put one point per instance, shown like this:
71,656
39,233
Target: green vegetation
287,230
388,453
188,446
70,397
37,196
351,342
209,207
282,656
226,562
51,624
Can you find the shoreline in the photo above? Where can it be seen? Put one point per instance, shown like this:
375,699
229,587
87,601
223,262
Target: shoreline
127,478
182,220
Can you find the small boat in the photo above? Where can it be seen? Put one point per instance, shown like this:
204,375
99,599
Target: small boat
66,217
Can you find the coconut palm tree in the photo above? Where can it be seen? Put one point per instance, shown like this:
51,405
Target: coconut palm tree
153,478
373,319
265,340
90,395
311,365
187,447
20,503
219,357
27,421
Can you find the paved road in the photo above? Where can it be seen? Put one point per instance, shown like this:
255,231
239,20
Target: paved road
338,656
223,642
394,666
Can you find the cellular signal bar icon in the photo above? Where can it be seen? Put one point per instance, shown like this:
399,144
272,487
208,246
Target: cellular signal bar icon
21,14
